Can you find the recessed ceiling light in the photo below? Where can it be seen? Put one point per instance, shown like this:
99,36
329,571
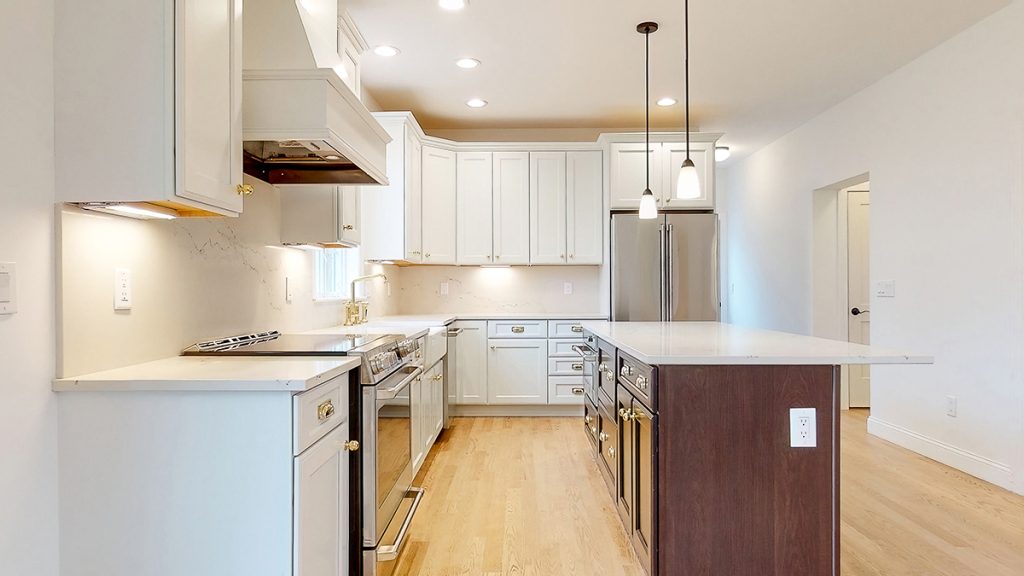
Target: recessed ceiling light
667,102
386,51
467,63
722,153
476,103
453,4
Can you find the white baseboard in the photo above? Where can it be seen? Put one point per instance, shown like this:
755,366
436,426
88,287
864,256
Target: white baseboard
540,410
973,464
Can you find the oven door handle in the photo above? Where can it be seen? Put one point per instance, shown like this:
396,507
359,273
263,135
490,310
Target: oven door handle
392,393
391,552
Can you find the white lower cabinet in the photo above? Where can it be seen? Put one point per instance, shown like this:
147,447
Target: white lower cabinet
321,507
427,412
517,371
471,362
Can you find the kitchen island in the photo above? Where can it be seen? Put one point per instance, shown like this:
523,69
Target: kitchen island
720,444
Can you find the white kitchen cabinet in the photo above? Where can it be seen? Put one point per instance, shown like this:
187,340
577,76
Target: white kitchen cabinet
627,175
584,211
427,403
168,108
439,206
471,362
547,208
324,215
517,328
565,390
392,215
475,208
321,507
517,371
418,397
511,198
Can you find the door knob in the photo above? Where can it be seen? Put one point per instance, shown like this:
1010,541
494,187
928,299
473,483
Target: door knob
858,311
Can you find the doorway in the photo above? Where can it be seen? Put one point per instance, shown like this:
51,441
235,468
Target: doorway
858,227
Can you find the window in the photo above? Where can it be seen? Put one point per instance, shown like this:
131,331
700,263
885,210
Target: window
333,271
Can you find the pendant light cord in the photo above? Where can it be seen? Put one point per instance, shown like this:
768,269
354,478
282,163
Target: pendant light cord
647,105
686,70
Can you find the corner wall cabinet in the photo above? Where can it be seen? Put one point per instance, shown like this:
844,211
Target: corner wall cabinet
168,109
393,214
627,174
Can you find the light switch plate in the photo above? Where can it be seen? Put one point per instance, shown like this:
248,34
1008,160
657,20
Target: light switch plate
122,289
287,289
443,290
8,288
567,288
885,289
803,427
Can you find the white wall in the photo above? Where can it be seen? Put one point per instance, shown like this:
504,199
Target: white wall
943,141
28,431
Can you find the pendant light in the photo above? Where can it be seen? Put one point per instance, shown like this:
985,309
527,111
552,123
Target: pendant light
687,184
648,205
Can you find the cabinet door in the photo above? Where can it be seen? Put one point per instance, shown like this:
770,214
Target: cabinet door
584,222
438,206
703,156
349,225
624,475
208,101
473,198
322,507
310,214
517,372
511,208
417,401
437,401
413,198
643,425
471,362
627,171
547,208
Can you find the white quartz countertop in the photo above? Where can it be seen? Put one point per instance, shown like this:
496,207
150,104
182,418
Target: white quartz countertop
189,373
407,330
714,343
442,319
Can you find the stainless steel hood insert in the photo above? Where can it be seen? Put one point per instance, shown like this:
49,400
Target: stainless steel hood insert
300,162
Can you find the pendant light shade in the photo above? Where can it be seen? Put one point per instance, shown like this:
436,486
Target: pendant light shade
648,206
688,184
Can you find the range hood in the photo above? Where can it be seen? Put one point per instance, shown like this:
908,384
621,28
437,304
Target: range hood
301,123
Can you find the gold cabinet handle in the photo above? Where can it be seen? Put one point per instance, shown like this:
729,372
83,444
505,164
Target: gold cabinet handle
415,252
577,328
627,415
325,410
593,430
604,436
577,366
588,419
351,445
438,376
611,452
348,227
624,371
244,189
608,375
635,415
577,391
427,255
641,382
518,329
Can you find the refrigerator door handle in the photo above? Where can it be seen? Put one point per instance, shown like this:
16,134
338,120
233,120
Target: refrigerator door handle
669,275
663,233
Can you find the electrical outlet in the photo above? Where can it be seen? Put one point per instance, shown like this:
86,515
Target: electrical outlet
951,406
443,290
567,288
803,428
122,289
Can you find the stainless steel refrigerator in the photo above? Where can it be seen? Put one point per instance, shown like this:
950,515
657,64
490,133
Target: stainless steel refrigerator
664,269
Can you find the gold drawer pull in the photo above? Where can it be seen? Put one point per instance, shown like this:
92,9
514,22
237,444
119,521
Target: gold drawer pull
611,452
588,419
577,366
577,328
325,410
641,382
351,445
518,329
593,430
604,436
348,227
578,391
244,189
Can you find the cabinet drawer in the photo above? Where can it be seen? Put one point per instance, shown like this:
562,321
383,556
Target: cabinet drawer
606,373
565,329
607,442
563,348
641,379
590,421
517,329
565,390
318,411
565,366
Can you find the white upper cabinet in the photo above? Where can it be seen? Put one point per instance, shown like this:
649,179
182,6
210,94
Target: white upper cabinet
584,193
511,208
439,206
626,171
473,198
392,214
325,215
703,156
167,111
547,208
413,200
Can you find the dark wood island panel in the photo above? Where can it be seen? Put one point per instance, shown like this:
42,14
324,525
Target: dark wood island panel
733,497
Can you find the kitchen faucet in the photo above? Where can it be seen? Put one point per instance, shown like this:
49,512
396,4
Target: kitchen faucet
354,313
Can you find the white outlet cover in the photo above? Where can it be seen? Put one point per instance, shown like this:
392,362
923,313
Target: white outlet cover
122,289
443,289
951,406
567,287
803,427
8,288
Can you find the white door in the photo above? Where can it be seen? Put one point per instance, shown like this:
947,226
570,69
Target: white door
511,208
209,101
471,362
517,371
547,208
321,507
703,156
413,197
417,409
439,206
475,215
858,226
348,214
627,171
584,193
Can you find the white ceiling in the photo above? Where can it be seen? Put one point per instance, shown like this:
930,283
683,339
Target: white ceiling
757,68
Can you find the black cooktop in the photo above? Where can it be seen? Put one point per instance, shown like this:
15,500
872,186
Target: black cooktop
272,344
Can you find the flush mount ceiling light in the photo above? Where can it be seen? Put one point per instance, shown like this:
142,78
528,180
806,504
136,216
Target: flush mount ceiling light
386,51
648,205
722,153
688,183
467,63
476,103
667,102
453,5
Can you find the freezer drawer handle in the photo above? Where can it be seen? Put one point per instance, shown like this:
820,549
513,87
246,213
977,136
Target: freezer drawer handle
389,553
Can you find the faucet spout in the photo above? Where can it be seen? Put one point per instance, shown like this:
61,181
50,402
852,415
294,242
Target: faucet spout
364,279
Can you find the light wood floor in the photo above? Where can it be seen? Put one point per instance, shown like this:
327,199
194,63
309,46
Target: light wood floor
523,496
